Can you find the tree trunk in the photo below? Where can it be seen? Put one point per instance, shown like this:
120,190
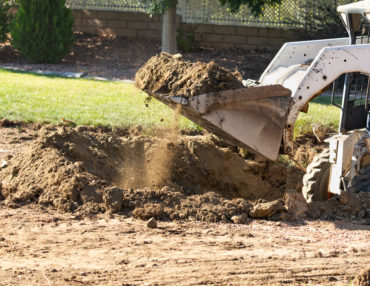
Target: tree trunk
169,30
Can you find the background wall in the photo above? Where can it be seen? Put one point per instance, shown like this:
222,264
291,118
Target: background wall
140,25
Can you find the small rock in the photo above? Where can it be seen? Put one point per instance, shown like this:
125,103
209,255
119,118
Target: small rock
177,56
152,223
113,198
240,219
167,189
3,164
265,210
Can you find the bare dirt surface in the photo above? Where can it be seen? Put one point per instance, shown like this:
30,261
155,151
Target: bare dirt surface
41,247
171,75
121,58
73,205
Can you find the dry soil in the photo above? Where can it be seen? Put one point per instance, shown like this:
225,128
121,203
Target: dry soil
41,247
171,75
74,200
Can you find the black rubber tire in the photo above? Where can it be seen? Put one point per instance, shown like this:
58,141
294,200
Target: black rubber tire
361,183
316,179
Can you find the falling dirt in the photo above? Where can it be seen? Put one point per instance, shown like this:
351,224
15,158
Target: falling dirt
170,75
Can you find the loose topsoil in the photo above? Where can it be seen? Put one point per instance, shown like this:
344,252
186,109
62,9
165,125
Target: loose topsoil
170,75
88,170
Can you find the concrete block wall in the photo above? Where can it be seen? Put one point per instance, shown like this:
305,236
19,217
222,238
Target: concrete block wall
140,25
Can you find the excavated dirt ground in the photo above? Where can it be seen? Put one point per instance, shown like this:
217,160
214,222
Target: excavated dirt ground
69,196
88,170
167,74
84,169
39,246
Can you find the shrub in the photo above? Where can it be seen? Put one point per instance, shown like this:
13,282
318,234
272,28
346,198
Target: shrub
4,20
42,30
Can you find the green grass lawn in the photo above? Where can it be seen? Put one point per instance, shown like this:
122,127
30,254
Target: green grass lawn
34,98
320,111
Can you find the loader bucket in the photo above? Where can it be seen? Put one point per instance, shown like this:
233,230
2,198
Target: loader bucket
252,118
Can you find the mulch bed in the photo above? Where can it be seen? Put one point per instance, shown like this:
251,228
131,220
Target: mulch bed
120,57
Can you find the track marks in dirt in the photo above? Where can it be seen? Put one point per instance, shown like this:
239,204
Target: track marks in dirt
107,251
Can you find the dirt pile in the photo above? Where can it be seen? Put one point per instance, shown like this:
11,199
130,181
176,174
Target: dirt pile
75,168
86,170
171,204
170,75
347,205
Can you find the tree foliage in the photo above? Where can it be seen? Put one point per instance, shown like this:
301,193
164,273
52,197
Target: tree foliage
4,20
323,20
256,6
42,30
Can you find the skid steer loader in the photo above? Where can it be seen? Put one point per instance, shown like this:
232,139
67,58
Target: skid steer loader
261,116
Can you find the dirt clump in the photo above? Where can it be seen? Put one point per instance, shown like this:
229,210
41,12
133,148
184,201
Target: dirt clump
171,204
347,205
268,209
170,75
295,204
152,223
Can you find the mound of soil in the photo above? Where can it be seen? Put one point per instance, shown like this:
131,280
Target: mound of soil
74,168
86,171
170,75
347,205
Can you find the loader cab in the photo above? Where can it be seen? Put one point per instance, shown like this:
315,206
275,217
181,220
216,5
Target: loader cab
356,19
355,100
